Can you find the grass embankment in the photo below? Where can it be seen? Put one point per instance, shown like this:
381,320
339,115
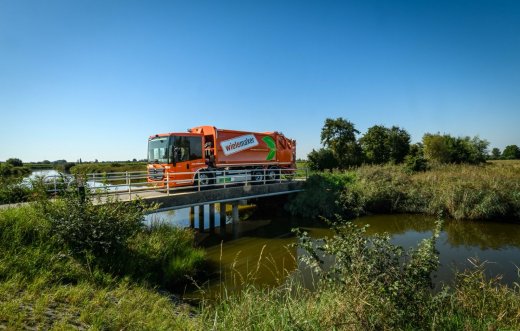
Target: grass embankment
69,264
486,192
56,272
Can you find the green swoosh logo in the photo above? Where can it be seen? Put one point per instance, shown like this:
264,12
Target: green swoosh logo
272,147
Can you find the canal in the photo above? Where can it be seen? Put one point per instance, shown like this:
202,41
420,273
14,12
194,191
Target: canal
261,249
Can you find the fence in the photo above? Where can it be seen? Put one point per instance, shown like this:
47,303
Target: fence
132,182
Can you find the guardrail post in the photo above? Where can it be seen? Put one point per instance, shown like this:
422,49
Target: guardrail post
129,183
264,176
279,175
224,178
55,188
198,181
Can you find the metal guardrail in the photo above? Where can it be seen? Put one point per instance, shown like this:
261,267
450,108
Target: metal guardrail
133,182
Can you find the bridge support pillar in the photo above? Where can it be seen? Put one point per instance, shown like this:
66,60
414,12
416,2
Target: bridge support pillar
222,218
192,217
236,218
211,218
201,218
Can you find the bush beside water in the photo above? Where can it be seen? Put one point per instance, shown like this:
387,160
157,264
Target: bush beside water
458,191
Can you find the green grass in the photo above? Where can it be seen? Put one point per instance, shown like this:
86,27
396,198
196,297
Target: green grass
46,283
487,192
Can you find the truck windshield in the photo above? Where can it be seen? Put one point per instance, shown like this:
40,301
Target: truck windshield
158,150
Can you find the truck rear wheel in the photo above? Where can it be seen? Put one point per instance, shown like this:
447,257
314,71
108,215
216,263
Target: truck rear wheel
273,174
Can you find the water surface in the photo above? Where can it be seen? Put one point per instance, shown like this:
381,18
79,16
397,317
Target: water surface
263,249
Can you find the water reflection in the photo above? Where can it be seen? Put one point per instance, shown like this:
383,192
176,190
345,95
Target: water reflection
495,242
485,235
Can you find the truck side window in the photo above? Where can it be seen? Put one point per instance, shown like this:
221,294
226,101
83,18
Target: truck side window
181,149
195,144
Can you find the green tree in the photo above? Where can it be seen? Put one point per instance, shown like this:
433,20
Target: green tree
374,144
478,150
447,149
322,159
416,149
340,136
15,162
382,145
436,148
511,152
398,144
495,153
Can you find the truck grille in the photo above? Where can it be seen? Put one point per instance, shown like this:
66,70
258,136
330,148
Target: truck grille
156,173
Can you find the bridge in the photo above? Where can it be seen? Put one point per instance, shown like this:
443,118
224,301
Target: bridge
128,186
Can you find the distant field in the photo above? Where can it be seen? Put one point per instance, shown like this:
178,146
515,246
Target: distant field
39,165
510,163
89,168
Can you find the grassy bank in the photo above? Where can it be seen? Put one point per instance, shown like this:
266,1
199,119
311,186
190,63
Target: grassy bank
69,264
486,192
52,281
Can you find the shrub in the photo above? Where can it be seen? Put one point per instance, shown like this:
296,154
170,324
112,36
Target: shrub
400,279
12,191
322,159
163,254
415,163
98,230
322,195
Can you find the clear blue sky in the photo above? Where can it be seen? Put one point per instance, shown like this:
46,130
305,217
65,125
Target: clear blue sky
93,79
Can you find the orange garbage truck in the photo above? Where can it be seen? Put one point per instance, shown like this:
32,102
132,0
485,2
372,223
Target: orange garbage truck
207,156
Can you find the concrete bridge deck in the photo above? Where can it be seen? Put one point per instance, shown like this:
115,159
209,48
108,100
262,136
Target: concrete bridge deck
187,199
190,198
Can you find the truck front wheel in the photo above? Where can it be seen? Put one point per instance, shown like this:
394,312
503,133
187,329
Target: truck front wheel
203,180
257,176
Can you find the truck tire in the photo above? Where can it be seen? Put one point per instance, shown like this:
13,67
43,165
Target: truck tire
205,179
272,174
257,176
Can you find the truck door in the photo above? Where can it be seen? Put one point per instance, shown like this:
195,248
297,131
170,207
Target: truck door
187,156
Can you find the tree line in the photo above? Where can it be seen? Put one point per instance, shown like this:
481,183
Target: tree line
380,145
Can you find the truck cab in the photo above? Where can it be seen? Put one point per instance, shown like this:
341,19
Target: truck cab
174,157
